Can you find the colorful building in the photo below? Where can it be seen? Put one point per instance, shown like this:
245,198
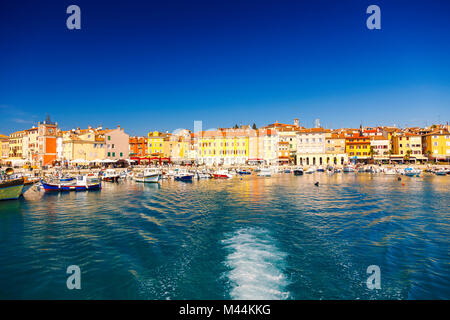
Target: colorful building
222,146
46,151
16,145
138,146
4,147
436,144
155,143
407,146
117,144
357,146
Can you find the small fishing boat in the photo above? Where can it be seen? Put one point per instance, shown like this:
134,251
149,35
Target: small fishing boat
202,175
150,175
265,172
222,174
81,183
111,175
243,172
391,171
411,172
183,175
298,171
310,170
349,168
320,169
440,172
11,188
287,170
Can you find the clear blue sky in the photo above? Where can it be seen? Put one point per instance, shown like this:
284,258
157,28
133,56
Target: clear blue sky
160,65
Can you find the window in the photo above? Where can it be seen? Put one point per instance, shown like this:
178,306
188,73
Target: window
109,137
114,154
109,154
121,154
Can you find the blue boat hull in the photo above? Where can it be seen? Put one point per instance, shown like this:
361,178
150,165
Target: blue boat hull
184,178
56,187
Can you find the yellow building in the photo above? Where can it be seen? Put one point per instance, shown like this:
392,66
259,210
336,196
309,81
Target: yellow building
223,146
436,144
177,146
4,147
358,146
85,146
407,146
16,144
155,143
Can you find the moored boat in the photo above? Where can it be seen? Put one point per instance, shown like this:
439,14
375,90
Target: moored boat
81,183
11,189
111,175
222,174
183,175
150,175
298,171
310,170
349,168
265,172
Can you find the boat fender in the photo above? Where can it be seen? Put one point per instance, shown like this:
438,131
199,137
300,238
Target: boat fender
316,184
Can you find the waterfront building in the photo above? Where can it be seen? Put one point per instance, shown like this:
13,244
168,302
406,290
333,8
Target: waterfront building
357,146
85,145
4,147
286,133
177,146
155,143
380,147
138,146
117,143
436,144
16,145
311,147
222,146
30,144
406,146
46,142
335,148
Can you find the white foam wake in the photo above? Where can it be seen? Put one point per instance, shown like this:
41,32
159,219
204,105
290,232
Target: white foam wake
256,266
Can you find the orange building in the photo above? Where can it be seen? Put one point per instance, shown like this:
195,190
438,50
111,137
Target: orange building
47,133
138,146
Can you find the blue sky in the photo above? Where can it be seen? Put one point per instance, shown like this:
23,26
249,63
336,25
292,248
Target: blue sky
160,65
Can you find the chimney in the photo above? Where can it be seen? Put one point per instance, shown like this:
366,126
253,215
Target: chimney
296,122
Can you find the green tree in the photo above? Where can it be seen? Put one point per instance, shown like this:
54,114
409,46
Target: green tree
254,126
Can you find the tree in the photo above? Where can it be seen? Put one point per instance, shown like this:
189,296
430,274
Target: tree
236,126
254,126
407,155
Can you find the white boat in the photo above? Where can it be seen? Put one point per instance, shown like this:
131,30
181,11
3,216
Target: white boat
440,172
265,172
310,170
390,171
349,168
111,175
203,175
151,175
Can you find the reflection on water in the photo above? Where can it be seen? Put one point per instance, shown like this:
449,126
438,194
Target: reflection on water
251,238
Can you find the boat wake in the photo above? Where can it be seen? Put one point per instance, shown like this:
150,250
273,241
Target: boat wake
255,266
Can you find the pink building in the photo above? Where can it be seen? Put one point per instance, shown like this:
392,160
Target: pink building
117,144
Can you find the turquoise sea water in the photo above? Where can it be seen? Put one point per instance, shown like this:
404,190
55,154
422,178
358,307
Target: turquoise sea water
256,238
